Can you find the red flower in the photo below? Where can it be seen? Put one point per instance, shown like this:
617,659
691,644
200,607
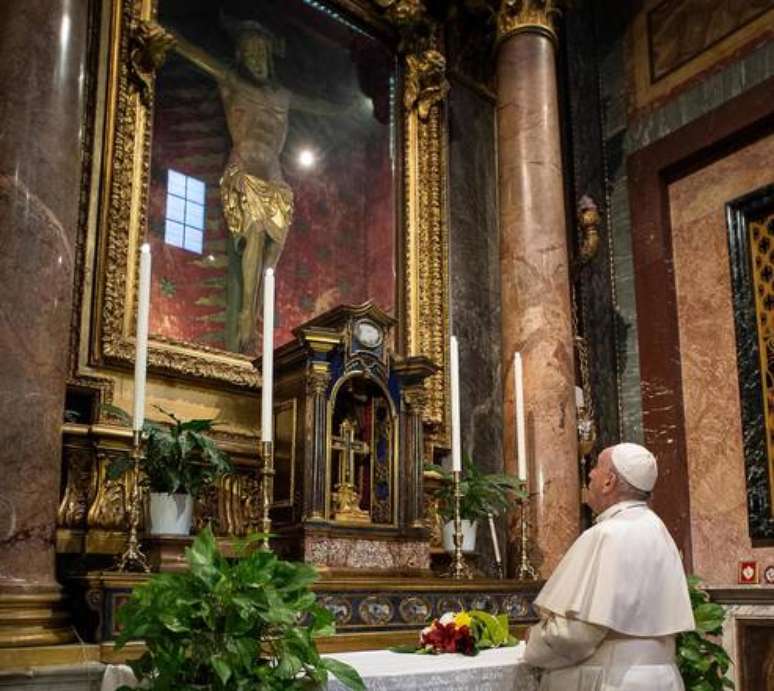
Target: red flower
448,638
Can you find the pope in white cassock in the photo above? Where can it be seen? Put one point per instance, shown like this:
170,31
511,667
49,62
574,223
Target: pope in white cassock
610,612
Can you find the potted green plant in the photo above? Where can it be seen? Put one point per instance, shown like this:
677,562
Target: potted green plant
482,494
179,459
702,662
229,625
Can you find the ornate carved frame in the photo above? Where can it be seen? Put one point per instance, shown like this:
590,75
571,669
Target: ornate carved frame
136,49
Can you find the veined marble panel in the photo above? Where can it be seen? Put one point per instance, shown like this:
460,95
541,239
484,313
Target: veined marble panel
713,429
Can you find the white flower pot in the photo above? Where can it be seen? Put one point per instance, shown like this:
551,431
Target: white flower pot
170,514
468,536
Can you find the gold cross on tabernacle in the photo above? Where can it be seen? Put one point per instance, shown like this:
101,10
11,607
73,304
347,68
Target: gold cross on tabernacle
349,448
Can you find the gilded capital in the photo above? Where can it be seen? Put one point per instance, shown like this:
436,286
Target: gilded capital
515,16
318,379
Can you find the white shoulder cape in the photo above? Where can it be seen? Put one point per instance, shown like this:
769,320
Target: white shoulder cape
624,573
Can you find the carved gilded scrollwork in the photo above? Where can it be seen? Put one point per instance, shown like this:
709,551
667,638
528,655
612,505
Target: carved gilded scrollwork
149,44
403,13
80,486
109,509
207,508
426,257
519,15
426,82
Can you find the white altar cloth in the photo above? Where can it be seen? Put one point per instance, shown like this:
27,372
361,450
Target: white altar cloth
491,670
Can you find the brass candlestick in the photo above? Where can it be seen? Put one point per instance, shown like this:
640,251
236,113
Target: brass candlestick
459,567
267,489
526,570
133,559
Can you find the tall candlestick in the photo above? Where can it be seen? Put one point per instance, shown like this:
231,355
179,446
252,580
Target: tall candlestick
454,355
141,341
268,356
521,433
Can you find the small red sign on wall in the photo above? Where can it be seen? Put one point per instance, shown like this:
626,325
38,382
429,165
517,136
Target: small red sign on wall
748,573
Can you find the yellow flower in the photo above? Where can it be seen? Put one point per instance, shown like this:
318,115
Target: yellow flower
462,619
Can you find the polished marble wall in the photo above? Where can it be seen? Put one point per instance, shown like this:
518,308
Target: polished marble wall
712,413
625,133
475,283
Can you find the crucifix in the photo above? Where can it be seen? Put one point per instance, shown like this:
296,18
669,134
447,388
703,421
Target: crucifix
346,497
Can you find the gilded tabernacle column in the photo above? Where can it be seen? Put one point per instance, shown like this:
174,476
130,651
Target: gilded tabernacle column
535,287
42,72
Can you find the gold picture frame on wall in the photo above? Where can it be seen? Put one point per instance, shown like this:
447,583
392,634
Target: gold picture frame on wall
135,46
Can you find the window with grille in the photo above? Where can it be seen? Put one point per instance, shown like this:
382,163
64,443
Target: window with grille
184,219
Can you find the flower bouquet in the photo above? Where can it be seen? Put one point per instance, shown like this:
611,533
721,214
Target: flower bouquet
462,632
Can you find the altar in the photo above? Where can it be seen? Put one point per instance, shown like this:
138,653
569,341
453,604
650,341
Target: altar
492,670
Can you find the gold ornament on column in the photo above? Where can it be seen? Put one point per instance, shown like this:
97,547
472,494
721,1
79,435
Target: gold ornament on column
515,16
426,82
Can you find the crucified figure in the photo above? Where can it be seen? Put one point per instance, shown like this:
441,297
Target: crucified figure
257,202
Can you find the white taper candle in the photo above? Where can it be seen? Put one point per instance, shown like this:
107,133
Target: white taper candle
141,340
454,354
579,400
521,432
268,357
495,543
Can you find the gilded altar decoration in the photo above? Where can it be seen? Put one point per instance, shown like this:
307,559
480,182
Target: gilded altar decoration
80,486
426,82
588,229
149,45
520,15
346,497
403,13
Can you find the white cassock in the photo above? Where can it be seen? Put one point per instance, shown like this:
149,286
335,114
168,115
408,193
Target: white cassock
611,610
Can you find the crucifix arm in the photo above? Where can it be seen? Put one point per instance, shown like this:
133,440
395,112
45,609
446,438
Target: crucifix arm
318,106
200,58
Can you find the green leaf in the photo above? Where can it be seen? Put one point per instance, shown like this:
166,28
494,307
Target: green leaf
344,673
118,467
404,648
116,412
221,668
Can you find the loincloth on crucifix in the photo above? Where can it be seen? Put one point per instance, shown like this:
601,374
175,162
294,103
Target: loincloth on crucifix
259,212
249,201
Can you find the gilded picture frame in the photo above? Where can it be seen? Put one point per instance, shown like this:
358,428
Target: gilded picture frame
134,47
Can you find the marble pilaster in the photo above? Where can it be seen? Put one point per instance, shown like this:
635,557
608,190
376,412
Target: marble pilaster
42,63
535,298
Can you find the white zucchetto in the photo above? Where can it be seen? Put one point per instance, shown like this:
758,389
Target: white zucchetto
636,465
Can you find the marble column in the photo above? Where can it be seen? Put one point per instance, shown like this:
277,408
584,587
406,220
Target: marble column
42,65
536,313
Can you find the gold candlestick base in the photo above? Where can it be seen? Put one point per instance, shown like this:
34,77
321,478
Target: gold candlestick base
526,571
459,568
267,489
133,559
